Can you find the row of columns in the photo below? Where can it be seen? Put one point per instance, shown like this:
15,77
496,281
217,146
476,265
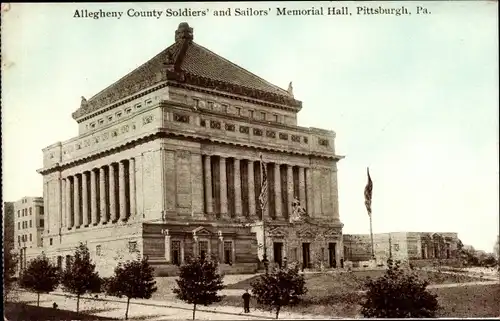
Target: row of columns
279,191
101,195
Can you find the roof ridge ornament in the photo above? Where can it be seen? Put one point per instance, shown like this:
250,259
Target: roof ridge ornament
184,32
84,104
290,89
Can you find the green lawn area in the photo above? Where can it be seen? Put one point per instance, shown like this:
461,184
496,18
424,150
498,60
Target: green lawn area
19,311
337,294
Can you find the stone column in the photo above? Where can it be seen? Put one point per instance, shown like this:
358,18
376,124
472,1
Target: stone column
167,245
102,196
93,197
76,202
309,191
85,200
112,194
223,188
131,174
277,192
289,190
302,187
251,191
221,247
237,188
208,186
69,214
122,191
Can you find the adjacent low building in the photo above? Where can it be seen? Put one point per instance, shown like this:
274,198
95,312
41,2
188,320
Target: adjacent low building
28,228
425,247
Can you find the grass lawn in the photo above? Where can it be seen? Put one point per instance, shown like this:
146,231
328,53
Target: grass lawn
337,294
469,301
18,311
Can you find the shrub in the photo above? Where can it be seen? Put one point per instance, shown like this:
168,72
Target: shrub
398,294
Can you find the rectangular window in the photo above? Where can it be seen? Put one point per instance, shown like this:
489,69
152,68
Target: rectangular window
41,210
238,111
19,238
251,114
203,249
263,116
176,252
18,213
132,246
31,223
18,225
228,252
50,241
275,118
196,102
210,105
98,250
31,238
225,108
42,223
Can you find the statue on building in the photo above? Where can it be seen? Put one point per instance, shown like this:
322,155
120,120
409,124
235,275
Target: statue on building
298,212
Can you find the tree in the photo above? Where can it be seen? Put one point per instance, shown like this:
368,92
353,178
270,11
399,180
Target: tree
199,282
40,277
281,287
9,269
134,279
80,277
398,294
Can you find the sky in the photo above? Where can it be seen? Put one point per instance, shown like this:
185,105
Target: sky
412,97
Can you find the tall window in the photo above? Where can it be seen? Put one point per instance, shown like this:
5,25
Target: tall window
98,250
31,223
176,252
31,238
203,249
228,252
30,211
41,222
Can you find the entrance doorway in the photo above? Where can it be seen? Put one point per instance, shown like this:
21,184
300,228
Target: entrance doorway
306,255
332,257
278,253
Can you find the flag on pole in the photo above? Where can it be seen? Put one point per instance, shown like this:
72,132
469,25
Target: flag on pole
368,193
263,184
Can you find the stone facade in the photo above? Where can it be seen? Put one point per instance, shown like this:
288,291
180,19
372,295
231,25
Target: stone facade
403,246
169,167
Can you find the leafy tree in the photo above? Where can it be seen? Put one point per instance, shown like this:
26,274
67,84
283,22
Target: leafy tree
40,277
134,279
199,282
398,294
80,277
281,287
9,269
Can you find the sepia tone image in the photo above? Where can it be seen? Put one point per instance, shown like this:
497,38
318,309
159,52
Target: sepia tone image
211,161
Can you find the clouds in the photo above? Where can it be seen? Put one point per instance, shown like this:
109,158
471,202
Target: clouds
415,97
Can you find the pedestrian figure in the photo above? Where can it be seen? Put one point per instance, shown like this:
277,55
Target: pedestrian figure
54,305
246,301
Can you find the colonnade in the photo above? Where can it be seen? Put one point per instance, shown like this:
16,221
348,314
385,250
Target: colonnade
103,195
232,187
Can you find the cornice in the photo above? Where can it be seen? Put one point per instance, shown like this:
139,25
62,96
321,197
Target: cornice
198,84
161,133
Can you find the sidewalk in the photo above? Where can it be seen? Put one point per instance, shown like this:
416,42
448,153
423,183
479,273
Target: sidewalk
112,307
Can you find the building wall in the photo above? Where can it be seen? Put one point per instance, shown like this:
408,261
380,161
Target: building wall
8,225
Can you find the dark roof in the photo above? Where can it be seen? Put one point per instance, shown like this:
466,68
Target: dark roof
186,61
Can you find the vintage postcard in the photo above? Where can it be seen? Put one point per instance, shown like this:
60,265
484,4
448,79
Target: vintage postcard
246,160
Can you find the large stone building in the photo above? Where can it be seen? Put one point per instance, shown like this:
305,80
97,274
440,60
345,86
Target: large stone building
166,164
28,228
403,246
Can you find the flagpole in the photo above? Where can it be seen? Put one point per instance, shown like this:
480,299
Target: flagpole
371,236
262,205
